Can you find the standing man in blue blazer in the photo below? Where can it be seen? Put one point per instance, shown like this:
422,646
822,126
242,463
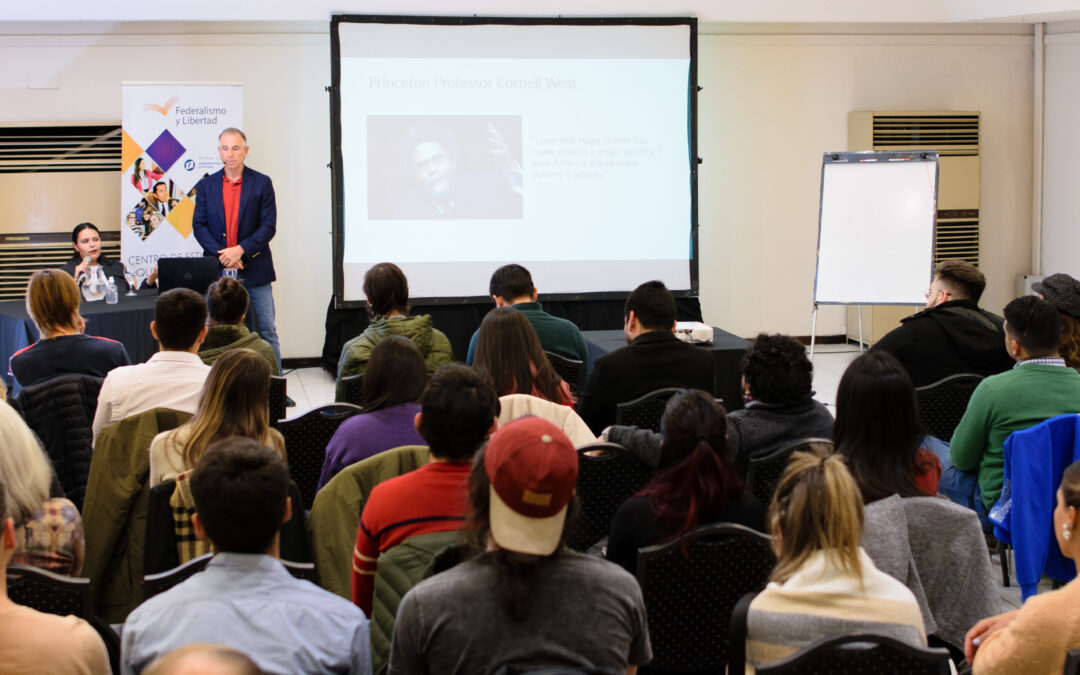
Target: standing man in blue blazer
235,219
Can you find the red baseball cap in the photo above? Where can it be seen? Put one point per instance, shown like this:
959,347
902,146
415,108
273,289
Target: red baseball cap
532,467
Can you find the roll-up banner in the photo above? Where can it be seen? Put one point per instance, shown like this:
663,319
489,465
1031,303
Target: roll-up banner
170,139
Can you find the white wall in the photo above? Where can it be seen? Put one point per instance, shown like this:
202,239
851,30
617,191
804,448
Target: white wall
1061,134
771,105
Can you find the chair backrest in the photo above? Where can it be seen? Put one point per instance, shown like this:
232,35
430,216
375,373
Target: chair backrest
47,591
689,597
859,655
568,369
1072,662
163,581
763,473
942,403
645,411
604,482
306,438
278,386
60,411
353,389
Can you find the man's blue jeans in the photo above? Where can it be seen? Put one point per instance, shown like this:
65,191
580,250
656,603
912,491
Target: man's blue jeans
262,306
961,487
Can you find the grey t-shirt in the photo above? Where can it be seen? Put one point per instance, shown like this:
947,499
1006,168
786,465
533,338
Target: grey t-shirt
583,611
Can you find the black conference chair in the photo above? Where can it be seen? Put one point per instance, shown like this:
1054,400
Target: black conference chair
604,482
861,655
568,369
353,386
644,412
942,404
278,385
690,594
306,438
47,591
763,473
1072,662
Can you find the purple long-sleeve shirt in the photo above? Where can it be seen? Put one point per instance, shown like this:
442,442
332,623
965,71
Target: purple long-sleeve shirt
367,434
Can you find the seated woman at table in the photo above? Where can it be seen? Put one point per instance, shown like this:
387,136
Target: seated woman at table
52,301
48,531
1036,637
394,379
824,584
86,240
235,401
696,483
508,351
227,303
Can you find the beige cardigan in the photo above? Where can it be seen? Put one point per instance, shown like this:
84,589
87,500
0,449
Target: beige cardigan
1047,626
166,452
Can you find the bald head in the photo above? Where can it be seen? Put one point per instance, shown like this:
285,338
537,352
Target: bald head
203,659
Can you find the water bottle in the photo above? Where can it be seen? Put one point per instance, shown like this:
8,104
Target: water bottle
112,295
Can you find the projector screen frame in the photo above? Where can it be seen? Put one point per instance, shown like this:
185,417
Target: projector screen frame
337,161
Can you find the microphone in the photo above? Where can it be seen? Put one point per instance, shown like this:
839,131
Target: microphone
84,275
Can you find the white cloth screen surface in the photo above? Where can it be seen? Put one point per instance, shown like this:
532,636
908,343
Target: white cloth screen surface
562,147
876,234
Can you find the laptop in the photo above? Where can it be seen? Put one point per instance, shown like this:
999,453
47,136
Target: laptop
194,273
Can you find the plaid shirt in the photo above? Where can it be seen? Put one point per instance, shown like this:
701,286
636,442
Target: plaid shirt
188,546
1043,360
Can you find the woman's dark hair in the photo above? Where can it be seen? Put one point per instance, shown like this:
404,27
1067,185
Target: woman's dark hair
227,301
508,350
877,426
395,374
386,290
696,474
777,370
79,228
515,573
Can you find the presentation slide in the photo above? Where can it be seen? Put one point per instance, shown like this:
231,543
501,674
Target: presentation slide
562,147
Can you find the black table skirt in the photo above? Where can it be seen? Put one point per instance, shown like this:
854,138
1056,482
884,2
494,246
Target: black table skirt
127,322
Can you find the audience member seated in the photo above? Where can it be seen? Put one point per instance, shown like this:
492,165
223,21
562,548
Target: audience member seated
86,240
696,483
393,382
171,378
508,351
203,659
234,402
245,598
1063,292
1034,638
512,286
227,303
458,411
1039,386
877,430
779,406
653,358
824,584
952,335
48,532
52,301
525,599
387,293
34,642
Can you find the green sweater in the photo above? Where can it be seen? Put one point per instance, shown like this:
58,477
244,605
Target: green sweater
1016,399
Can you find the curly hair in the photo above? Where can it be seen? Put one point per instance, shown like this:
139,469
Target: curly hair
1069,344
777,370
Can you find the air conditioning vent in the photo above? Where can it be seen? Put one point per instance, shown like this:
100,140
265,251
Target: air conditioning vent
30,149
957,240
951,135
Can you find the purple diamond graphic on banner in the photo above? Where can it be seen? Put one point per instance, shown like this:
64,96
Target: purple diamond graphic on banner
165,150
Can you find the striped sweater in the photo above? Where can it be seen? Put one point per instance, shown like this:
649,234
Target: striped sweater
822,601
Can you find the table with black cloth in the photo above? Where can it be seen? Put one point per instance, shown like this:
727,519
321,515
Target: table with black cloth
127,322
727,351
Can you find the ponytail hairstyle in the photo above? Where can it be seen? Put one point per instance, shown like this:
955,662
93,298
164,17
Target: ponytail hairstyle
696,474
817,507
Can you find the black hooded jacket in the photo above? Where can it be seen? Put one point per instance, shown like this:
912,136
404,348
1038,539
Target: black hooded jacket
954,337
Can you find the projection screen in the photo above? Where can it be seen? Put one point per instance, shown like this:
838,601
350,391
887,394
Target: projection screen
462,144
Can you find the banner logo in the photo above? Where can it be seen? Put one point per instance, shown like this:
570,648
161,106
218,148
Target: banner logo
163,109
